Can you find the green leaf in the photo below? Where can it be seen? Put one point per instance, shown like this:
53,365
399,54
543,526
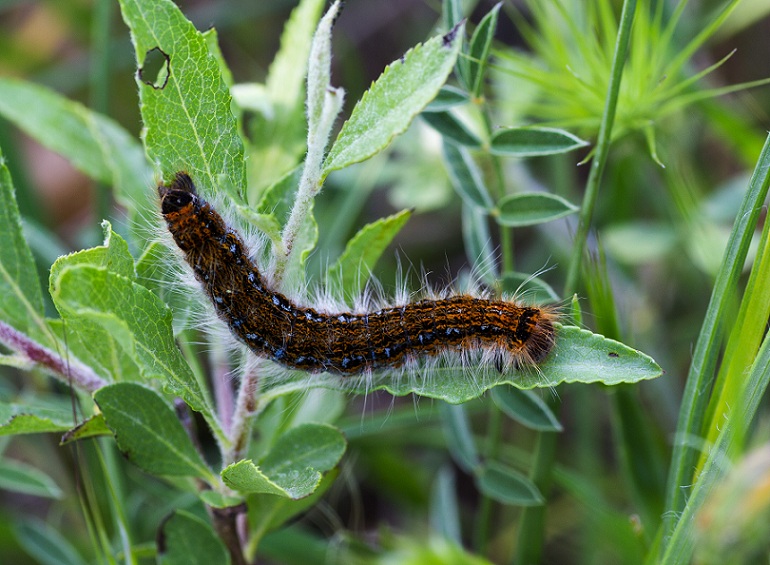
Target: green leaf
46,544
274,207
526,407
94,144
477,240
448,97
267,512
506,485
392,102
219,500
118,315
444,507
479,49
278,198
459,437
708,350
287,71
452,129
295,545
531,208
88,340
533,142
92,427
211,36
112,255
451,13
466,176
185,539
579,356
279,131
351,270
148,431
187,118
247,478
157,270
319,446
33,418
266,223
21,299
292,469
23,478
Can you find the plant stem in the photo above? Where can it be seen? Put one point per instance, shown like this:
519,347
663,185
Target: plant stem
69,370
531,536
224,520
99,78
492,451
324,103
531,531
602,147
245,409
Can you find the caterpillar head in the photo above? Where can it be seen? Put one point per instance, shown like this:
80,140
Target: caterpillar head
178,195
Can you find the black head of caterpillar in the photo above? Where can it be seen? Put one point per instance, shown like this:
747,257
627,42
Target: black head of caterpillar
305,338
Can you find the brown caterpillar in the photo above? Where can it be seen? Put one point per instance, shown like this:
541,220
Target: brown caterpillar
345,343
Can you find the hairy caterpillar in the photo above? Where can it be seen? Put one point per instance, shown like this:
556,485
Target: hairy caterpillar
344,343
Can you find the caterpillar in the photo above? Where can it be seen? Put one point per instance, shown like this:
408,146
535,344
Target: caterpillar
344,343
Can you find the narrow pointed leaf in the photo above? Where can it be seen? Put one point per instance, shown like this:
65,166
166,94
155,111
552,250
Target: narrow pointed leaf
533,142
32,418
480,44
96,145
526,407
459,438
23,478
45,543
531,208
448,97
452,129
444,507
399,94
351,270
466,176
503,484
185,539
21,299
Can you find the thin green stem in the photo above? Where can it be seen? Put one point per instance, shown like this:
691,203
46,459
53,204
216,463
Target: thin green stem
484,517
531,534
243,416
602,147
506,247
100,83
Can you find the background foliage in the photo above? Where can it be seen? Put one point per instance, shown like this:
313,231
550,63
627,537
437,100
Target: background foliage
420,479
